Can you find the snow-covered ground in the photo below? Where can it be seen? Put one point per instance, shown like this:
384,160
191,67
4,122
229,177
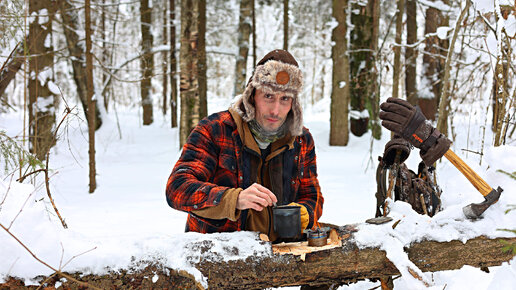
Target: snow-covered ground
128,218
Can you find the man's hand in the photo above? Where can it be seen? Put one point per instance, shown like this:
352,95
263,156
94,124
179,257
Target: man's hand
255,197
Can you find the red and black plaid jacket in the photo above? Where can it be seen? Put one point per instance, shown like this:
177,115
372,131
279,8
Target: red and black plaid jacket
214,160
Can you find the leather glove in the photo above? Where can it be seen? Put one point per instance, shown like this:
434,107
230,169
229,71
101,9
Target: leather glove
305,218
408,121
396,144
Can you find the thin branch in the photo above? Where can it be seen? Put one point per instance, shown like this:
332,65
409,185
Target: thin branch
84,284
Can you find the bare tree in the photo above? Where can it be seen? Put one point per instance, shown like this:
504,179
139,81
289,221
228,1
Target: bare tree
285,24
146,61
411,53
433,62
164,55
42,90
75,45
396,70
91,101
192,66
244,30
254,32
339,111
444,103
500,83
173,64
364,88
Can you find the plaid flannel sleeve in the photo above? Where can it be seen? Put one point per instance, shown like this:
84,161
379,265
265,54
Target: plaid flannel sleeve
189,187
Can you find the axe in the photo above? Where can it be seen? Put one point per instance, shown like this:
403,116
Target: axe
408,121
474,210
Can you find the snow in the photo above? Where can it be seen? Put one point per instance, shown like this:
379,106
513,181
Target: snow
442,31
127,217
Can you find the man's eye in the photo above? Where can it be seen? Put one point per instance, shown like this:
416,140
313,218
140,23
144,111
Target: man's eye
268,96
285,99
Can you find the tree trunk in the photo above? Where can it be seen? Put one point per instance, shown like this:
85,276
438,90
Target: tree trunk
339,265
444,103
146,61
363,76
254,32
285,24
500,82
192,66
411,54
433,63
42,96
244,30
164,63
339,110
12,67
173,65
91,101
201,62
105,52
75,45
396,70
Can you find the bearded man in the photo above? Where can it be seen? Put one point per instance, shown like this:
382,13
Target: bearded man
238,163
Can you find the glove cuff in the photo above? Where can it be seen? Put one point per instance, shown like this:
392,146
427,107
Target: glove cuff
392,147
436,151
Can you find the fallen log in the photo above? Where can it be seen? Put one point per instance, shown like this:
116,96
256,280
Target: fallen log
338,265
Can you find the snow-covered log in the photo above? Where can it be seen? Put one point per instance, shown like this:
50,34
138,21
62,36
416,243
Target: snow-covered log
342,264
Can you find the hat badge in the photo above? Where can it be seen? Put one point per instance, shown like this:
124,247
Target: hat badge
282,78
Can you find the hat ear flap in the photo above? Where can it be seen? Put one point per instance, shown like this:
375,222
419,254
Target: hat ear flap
244,106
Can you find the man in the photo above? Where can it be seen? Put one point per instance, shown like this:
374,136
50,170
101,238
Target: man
238,163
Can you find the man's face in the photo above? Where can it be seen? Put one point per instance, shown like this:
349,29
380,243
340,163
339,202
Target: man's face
271,109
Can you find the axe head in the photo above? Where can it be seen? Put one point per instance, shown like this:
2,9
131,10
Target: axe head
475,210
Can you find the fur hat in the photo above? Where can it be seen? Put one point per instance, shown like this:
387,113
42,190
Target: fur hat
278,71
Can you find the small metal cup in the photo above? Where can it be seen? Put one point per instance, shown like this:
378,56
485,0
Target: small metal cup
287,221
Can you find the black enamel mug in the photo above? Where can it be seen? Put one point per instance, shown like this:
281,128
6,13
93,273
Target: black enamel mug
287,221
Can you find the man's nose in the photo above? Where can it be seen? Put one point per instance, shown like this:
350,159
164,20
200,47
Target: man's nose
275,108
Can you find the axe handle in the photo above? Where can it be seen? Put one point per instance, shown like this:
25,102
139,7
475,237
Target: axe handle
471,175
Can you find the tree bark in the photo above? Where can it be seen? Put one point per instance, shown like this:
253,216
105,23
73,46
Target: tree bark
75,45
340,265
164,35
500,82
244,30
363,74
12,67
433,63
192,66
146,61
396,70
91,101
173,65
444,103
411,53
339,110
254,32
285,24
42,116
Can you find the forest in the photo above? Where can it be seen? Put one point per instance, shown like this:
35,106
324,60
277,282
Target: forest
88,89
